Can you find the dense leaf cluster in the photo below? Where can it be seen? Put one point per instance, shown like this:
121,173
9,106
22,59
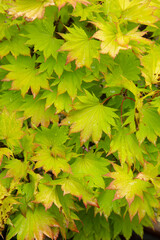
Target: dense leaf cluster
80,118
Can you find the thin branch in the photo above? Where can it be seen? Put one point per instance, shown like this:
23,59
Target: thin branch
111,97
130,98
122,109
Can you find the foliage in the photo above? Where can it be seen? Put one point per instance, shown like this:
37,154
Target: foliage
80,118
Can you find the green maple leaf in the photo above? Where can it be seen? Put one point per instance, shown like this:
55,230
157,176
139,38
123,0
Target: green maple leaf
143,207
53,160
40,35
47,195
81,48
113,39
35,109
90,118
15,45
151,66
129,65
149,124
54,136
70,82
126,185
30,9
77,188
23,75
16,169
127,146
107,205
91,166
86,13
62,3
37,223
156,103
63,102
10,128
12,100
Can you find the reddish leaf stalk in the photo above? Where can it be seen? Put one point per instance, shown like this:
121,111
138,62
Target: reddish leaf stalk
111,97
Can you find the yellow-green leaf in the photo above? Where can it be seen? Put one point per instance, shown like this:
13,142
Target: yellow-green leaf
90,118
30,9
81,48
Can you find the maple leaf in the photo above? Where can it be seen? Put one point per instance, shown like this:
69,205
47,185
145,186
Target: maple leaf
86,13
70,82
24,75
63,102
91,166
156,103
125,184
48,160
47,195
128,65
54,136
16,169
151,66
127,146
35,109
143,207
77,188
148,124
10,128
113,39
138,11
30,9
15,45
40,35
12,100
107,205
62,3
81,48
5,151
90,118
3,193
37,223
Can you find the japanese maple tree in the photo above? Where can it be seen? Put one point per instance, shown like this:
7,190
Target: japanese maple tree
79,118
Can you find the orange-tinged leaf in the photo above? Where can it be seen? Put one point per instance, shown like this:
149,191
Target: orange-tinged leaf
15,45
24,75
93,167
30,9
16,169
90,118
45,158
35,109
143,207
81,48
151,66
139,11
77,188
35,225
62,3
113,39
47,195
126,185
5,151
